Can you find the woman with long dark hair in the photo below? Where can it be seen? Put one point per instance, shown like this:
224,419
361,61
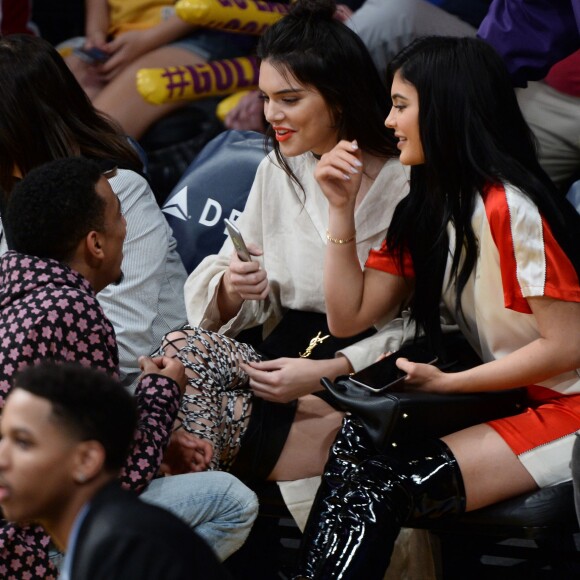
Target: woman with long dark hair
483,230
319,86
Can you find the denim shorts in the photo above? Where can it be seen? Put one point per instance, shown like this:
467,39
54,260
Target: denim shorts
217,44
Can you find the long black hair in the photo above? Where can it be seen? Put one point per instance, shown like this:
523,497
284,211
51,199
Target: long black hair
473,135
319,51
46,115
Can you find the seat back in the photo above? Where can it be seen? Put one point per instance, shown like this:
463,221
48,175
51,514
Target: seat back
215,186
533,535
530,515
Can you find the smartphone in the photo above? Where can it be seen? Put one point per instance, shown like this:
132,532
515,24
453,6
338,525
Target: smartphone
238,241
91,55
385,375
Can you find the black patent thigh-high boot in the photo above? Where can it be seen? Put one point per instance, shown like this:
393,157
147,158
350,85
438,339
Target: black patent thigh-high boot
351,446
383,492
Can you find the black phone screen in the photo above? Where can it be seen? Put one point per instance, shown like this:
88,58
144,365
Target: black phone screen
385,373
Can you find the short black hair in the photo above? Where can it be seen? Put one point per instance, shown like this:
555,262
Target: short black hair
53,207
88,403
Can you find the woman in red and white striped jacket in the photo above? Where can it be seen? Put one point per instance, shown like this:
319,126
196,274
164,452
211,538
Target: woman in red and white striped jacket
485,231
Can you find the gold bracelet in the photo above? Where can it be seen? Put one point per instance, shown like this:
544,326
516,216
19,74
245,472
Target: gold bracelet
340,240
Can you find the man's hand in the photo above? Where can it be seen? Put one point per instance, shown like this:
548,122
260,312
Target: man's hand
167,366
186,453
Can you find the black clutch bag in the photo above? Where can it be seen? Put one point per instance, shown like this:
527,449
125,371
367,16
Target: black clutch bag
392,416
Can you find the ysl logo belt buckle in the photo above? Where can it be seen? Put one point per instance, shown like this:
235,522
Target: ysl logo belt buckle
314,342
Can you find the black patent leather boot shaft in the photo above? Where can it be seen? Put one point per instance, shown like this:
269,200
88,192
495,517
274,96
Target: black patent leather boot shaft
350,448
384,492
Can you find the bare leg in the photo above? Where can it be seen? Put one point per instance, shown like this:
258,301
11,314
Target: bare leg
490,469
121,100
311,435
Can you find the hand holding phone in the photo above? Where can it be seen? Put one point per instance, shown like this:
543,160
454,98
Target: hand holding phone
91,55
385,375
238,241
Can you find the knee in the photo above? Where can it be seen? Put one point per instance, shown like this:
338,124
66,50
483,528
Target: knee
235,508
172,336
174,341
244,497
239,503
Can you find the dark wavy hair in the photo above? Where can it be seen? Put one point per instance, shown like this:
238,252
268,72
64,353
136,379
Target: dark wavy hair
46,115
473,135
319,51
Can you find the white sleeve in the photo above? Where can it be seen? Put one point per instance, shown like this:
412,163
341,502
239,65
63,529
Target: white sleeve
149,300
203,283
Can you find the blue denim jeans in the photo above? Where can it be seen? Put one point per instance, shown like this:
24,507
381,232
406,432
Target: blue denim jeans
217,505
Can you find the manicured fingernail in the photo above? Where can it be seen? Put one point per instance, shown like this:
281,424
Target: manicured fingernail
353,170
354,145
358,163
345,176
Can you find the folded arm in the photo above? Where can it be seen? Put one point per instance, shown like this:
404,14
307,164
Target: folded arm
355,298
158,396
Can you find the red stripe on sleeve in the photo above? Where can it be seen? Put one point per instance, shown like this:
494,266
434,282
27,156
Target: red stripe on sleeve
384,260
498,216
561,281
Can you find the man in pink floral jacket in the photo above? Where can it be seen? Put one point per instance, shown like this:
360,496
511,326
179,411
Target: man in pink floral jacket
66,252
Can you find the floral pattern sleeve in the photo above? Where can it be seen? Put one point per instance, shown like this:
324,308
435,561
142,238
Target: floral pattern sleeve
158,401
24,553
24,550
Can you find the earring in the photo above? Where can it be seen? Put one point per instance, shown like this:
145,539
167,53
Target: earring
81,478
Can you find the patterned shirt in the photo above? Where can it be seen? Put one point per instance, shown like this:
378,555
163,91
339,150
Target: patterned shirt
50,312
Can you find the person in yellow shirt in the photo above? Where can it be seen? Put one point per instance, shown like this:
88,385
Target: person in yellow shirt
135,34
